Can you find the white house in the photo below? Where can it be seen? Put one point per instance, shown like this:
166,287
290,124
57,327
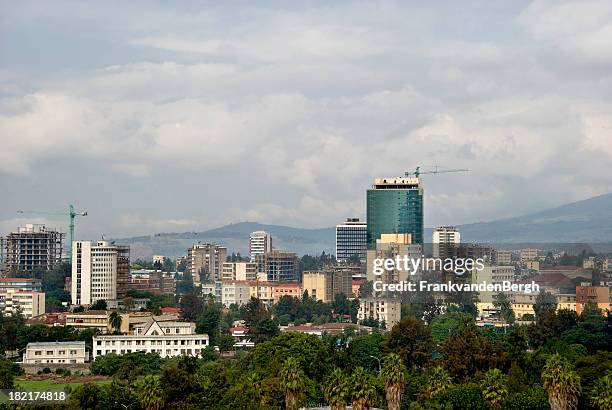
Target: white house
164,338
55,352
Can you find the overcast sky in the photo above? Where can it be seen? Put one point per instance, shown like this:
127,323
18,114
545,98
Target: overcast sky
180,116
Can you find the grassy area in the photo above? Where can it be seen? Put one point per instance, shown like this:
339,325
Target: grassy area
50,385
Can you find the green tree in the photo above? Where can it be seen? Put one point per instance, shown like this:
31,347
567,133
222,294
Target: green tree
437,381
337,390
394,376
561,383
412,340
292,382
363,389
544,301
114,320
191,307
99,305
494,389
504,305
601,395
7,377
149,393
468,352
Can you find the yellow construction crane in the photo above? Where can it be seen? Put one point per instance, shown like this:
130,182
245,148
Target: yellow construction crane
72,214
435,170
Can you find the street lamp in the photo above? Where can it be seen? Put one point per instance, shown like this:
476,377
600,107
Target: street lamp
379,367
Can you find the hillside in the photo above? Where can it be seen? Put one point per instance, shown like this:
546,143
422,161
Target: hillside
589,221
236,238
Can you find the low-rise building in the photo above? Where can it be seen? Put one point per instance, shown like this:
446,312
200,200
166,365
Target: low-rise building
164,338
235,292
97,320
241,336
22,284
29,304
55,353
599,295
286,289
382,309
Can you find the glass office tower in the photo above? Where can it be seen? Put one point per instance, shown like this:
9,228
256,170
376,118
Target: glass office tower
395,205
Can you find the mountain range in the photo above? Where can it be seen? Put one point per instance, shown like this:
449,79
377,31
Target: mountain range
586,221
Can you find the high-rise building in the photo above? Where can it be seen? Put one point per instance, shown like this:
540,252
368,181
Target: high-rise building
445,240
279,266
351,239
205,263
95,266
395,205
260,242
123,270
30,248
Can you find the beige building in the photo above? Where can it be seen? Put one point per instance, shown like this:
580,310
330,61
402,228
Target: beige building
383,310
599,295
491,275
532,265
97,320
503,257
325,285
55,353
239,271
263,291
30,304
205,264
528,254
390,246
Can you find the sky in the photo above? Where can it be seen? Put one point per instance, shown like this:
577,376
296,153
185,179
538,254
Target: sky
176,116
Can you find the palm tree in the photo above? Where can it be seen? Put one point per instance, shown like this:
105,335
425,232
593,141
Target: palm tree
292,381
254,381
337,390
394,376
494,388
364,391
149,393
601,395
561,383
438,380
114,320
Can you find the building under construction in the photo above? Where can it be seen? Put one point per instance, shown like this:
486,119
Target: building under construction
31,248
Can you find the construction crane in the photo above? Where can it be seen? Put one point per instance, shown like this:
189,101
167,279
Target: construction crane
435,170
72,214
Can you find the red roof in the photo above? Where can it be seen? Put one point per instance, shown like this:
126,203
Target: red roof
238,329
169,309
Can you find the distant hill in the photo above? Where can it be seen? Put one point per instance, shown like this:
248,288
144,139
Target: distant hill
587,221
236,238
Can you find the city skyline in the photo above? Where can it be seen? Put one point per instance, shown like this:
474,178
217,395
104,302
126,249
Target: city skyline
191,117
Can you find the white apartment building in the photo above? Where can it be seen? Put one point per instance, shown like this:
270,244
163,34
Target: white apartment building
30,304
94,272
55,353
164,338
444,240
260,243
381,309
235,292
239,271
